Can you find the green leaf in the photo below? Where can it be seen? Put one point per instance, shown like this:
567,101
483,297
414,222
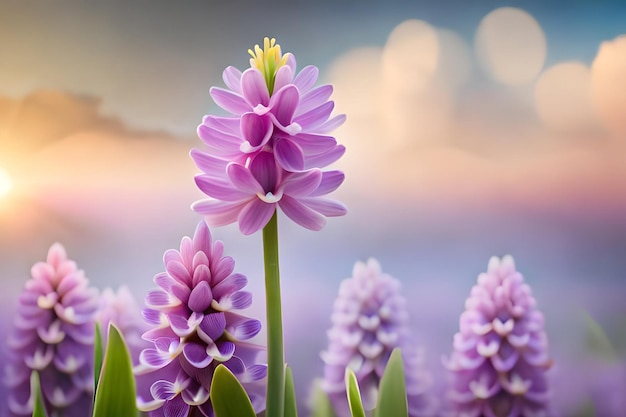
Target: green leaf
392,390
116,394
39,409
354,396
320,403
598,342
97,356
291,408
228,397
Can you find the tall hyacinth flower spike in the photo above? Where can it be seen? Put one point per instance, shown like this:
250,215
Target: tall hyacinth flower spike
369,320
53,334
500,357
196,327
269,153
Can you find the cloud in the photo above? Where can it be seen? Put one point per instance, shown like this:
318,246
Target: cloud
563,97
447,140
511,45
608,85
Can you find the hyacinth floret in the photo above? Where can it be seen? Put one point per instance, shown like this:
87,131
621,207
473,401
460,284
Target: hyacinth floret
369,320
277,132
196,327
53,334
500,357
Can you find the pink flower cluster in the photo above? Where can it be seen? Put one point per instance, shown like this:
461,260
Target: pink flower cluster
270,151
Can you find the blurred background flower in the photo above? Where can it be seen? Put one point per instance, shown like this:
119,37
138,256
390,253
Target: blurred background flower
473,128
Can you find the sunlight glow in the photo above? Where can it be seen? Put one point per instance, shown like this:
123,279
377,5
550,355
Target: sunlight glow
5,183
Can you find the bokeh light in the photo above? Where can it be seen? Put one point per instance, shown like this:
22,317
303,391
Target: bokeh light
562,97
511,45
6,184
608,85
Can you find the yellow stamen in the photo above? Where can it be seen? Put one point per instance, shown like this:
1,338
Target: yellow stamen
268,60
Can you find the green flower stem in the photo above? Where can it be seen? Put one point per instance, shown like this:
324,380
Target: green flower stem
275,355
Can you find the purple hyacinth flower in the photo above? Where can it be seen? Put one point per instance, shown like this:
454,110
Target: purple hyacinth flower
275,113
121,309
195,328
53,334
369,321
500,357
250,194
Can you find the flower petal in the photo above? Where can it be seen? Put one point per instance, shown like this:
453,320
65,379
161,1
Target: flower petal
208,163
288,154
284,76
212,327
326,158
254,216
315,117
232,79
328,208
306,78
243,179
218,213
256,130
302,183
314,98
196,355
301,214
331,180
232,283
219,189
284,104
229,101
254,89
201,297
176,407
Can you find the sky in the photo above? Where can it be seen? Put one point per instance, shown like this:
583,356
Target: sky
474,128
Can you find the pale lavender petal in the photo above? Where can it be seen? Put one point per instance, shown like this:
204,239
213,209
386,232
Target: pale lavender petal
243,179
288,154
232,79
163,390
302,184
229,101
315,117
313,143
218,213
232,283
201,273
264,170
254,89
219,189
178,271
306,78
207,163
202,243
246,329
241,300
284,104
328,208
176,407
201,297
212,327
332,124
331,180
196,355
326,158
255,215
301,214
222,269
314,98
219,140
256,130
284,76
